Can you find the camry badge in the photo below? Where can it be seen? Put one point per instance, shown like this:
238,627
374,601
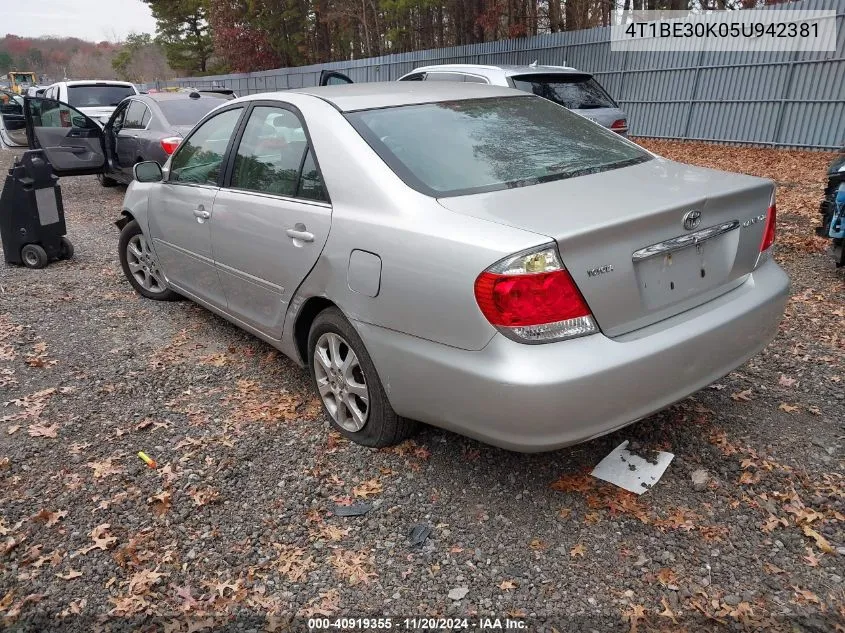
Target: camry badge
692,219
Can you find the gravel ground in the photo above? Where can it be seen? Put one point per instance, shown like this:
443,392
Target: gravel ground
236,523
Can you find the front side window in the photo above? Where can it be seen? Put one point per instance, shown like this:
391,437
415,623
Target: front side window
271,157
199,158
571,90
475,145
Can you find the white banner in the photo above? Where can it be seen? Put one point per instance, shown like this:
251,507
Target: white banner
750,30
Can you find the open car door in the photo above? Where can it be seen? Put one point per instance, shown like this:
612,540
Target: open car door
72,142
333,78
12,120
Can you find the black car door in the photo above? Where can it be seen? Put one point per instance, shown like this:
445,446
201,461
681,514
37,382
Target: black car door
127,143
72,142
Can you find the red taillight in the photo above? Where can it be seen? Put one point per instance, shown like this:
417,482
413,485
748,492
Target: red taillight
620,125
64,118
170,144
769,231
532,299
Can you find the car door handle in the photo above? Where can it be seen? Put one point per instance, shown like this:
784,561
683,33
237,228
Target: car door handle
202,214
302,236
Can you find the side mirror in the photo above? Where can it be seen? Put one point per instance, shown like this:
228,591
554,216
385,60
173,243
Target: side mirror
148,171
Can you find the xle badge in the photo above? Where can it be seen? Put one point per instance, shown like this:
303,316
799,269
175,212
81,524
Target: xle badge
595,272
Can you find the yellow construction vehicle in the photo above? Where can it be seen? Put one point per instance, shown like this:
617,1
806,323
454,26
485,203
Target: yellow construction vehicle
20,81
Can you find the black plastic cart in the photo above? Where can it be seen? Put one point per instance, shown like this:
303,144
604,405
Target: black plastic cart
32,217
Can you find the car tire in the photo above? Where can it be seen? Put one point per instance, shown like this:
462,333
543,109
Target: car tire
65,248
105,181
34,256
140,266
338,388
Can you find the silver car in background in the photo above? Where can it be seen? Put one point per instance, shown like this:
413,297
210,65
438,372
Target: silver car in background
468,256
572,88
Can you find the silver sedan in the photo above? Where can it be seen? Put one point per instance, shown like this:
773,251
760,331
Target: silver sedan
467,256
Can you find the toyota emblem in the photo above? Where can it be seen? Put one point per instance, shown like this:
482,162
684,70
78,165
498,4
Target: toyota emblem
692,219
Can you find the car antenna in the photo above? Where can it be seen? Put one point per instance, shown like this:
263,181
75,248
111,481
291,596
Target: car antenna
533,64
194,95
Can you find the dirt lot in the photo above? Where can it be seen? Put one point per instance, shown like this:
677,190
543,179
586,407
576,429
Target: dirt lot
237,521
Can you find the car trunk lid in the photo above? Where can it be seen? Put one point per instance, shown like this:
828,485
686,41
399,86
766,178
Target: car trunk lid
622,234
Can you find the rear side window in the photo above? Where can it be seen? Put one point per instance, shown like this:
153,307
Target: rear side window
437,76
573,91
87,96
188,111
475,145
199,158
134,118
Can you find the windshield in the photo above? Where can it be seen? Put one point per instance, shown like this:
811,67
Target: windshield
188,111
460,147
93,95
24,79
573,91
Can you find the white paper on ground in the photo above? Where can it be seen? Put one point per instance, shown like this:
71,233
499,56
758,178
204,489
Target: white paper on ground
631,472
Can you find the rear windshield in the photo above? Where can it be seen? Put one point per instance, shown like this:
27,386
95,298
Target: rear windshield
576,92
85,96
460,147
188,111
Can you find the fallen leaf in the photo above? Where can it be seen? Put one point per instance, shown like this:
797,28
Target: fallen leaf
786,381
773,522
743,396
50,518
789,408
805,595
666,576
811,559
70,575
667,611
102,539
40,430
821,542
508,585
578,550
355,567
105,468
368,488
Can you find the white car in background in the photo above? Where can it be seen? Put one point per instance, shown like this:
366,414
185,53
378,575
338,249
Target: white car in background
96,99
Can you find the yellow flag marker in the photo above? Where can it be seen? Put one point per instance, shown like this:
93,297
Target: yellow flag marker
149,461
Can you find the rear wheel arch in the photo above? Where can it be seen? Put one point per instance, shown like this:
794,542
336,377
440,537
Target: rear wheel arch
304,318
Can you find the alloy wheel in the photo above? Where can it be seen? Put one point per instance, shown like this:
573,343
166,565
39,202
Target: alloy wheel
341,382
143,266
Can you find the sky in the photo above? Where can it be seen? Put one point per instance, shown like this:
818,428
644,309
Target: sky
93,20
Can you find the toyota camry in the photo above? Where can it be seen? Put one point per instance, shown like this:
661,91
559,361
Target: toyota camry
467,256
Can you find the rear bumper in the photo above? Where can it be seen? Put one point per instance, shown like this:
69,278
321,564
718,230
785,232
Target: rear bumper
542,397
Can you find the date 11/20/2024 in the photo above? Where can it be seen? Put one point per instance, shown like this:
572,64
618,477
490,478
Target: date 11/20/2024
416,624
